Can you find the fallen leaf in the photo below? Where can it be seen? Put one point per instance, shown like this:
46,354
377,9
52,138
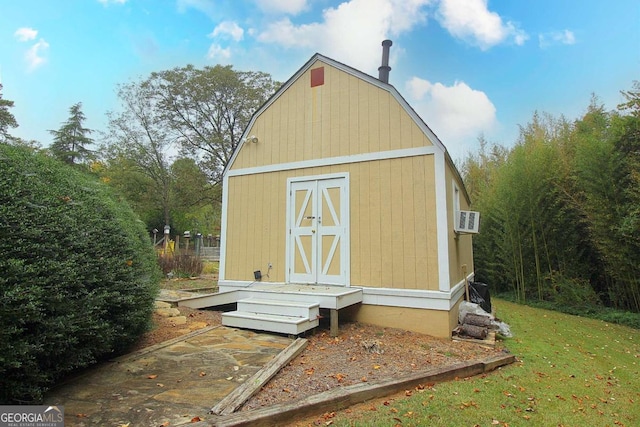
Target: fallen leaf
196,419
309,371
164,424
153,376
202,374
124,425
363,379
408,392
339,377
286,390
160,385
81,415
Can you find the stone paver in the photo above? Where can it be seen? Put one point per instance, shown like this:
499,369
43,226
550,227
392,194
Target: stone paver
173,383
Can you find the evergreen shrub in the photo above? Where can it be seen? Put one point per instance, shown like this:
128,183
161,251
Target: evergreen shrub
78,275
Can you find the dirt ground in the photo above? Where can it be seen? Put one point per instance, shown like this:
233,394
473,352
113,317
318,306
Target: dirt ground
360,353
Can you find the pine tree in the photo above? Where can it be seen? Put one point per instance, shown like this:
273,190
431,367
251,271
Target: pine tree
7,120
70,141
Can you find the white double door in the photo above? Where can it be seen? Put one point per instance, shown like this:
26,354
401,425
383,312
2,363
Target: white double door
318,236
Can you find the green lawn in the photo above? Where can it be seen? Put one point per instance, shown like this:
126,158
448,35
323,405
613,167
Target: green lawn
571,371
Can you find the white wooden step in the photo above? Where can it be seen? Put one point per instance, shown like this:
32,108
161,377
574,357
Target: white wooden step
268,322
308,310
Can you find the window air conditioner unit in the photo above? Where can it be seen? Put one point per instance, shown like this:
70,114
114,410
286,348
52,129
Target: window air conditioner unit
467,222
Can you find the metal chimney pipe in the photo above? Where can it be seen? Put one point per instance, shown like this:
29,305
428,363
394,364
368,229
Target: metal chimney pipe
383,70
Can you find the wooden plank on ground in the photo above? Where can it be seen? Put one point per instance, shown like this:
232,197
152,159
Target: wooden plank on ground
251,386
343,397
489,341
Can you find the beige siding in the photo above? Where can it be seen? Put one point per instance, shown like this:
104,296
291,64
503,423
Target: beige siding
433,322
345,116
392,212
460,246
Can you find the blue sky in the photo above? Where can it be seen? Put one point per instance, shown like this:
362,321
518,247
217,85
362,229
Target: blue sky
468,67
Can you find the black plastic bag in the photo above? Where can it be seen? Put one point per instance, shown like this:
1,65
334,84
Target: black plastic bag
479,294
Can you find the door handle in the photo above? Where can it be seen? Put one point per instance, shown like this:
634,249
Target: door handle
309,217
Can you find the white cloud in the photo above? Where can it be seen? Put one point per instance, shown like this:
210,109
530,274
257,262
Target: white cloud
228,28
35,55
105,2
25,34
290,7
218,53
208,7
472,21
458,114
352,31
556,37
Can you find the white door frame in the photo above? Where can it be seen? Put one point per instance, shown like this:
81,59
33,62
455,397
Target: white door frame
315,230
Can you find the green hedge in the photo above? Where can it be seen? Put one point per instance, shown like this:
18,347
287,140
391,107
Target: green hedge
78,275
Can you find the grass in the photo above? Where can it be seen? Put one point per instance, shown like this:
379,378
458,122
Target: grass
208,279
584,309
571,371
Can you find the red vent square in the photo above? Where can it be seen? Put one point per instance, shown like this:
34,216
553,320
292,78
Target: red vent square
317,77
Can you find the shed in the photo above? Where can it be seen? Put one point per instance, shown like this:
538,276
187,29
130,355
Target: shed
339,187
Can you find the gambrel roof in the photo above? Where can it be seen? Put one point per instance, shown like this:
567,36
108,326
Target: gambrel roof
360,75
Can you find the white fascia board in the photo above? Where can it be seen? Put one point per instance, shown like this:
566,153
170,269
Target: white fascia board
408,298
230,285
332,161
411,298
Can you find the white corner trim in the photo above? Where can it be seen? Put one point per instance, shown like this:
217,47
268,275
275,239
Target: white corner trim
223,229
330,161
442,222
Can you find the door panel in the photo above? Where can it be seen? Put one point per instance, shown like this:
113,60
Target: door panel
318,234
330,231
303,237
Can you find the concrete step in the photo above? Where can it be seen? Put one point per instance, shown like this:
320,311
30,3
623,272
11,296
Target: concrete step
292,325
307,310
